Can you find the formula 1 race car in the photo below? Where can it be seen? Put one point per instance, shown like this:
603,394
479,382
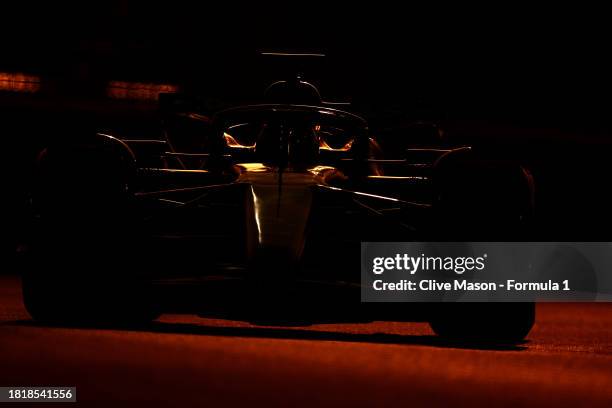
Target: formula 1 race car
257,213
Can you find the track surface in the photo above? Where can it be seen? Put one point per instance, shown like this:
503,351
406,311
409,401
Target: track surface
189,361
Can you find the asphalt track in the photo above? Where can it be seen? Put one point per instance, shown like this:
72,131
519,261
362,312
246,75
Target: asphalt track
189,361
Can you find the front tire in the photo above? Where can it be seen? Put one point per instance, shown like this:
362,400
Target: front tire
483,322
85,262
55,296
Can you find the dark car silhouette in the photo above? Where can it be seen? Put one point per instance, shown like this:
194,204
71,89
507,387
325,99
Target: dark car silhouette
257,212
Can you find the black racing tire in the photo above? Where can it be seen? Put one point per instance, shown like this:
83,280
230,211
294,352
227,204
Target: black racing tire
480,198
483,322
85,262
87,277
51,298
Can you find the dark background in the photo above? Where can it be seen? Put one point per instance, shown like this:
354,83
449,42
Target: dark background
515,63
530,83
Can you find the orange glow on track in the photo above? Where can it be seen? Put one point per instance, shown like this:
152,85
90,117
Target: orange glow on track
19,82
